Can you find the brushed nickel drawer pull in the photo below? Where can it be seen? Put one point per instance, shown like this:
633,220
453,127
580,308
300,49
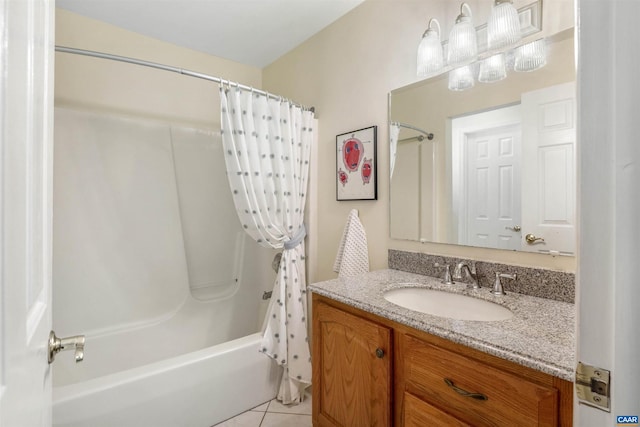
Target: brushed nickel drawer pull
379,353
465,393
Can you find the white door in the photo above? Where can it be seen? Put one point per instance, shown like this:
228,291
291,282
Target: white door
548,169
486,180
26,89
608,291
493,188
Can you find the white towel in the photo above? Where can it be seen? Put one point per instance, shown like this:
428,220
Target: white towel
353,255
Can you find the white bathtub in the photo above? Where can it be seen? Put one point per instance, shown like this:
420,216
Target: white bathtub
152,265
197,389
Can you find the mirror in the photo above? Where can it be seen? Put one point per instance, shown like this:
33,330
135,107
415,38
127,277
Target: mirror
500,171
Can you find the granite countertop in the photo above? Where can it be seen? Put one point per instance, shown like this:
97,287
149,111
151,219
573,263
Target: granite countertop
540,335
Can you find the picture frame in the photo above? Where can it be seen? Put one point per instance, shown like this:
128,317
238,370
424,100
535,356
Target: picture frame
356,165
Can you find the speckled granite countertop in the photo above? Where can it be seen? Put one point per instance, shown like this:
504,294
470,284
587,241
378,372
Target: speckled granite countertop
541,335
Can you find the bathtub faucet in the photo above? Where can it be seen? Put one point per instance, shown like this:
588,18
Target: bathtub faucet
56,345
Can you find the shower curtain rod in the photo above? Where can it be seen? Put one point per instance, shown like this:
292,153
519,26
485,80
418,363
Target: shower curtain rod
429,135
182,71
420,138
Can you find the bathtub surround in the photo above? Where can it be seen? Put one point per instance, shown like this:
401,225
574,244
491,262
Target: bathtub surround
537,282
267,146
149,257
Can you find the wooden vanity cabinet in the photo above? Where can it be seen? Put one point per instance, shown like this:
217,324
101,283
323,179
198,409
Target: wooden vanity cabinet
354,386
351,369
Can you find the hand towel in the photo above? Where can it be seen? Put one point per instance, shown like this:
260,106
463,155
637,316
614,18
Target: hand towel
353,255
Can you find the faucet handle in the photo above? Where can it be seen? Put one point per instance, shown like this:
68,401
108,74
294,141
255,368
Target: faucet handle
447,280
497,286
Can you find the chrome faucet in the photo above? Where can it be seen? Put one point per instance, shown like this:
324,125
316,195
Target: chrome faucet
471,273
497,285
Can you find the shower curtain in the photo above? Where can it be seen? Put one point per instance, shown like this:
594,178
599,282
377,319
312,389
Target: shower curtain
394,132
267,144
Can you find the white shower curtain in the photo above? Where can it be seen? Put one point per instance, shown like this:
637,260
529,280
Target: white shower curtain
394,132
267,144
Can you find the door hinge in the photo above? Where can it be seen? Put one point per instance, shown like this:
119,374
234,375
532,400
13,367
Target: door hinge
592,386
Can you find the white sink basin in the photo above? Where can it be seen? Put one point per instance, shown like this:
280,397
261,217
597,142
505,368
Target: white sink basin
445,304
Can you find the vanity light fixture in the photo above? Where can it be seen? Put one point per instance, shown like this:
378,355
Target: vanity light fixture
461,78
531,56
463,43
503,27
503,33
492,69
430,57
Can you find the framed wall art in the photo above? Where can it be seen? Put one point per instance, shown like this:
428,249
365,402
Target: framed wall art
356,166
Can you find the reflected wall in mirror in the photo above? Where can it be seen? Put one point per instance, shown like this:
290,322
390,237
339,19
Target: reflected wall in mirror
500,170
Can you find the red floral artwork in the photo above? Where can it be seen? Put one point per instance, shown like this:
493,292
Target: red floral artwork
351,151
343,177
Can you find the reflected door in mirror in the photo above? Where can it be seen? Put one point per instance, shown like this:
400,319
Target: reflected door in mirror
486,178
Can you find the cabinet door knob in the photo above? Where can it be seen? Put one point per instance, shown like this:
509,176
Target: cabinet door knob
379,353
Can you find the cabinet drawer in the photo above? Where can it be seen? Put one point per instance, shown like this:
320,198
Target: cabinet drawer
510,400
418,413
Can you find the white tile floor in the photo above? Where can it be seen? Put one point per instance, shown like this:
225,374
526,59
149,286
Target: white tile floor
274,414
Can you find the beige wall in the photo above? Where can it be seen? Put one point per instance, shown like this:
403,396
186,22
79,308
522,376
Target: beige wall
125,88
346,72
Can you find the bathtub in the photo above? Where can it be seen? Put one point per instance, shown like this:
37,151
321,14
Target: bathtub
198,389
175,371
151,264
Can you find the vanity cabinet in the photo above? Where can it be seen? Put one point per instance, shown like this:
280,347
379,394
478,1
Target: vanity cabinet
352,362
420,379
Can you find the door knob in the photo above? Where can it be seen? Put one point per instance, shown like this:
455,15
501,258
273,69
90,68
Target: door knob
56,345
514,228
531,239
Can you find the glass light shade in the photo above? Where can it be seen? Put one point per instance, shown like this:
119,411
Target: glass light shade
430,57
461,78
463,43
531,56
492,69
503,27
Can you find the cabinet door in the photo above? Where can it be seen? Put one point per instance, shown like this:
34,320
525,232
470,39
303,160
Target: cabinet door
351,370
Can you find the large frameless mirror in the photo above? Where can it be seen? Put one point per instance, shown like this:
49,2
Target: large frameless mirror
500,170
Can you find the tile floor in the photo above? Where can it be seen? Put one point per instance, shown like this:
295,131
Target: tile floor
274,414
